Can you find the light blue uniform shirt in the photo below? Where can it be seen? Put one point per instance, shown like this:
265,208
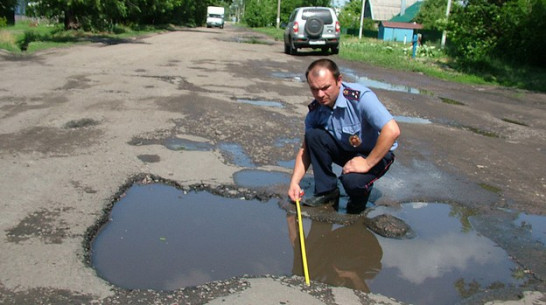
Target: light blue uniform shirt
357,111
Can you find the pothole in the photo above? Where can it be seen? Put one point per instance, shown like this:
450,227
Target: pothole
263,103
372,83
411,120
163,237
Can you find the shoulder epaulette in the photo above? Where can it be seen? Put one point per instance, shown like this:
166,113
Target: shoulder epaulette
314,105
351,94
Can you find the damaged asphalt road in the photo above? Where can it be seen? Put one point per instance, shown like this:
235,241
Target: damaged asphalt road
78,124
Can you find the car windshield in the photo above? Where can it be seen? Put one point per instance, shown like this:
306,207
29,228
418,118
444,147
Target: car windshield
323,14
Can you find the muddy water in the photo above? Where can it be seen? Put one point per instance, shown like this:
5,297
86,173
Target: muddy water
162,238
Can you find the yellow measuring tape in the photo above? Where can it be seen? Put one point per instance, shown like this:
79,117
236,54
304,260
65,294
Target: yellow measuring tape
302,243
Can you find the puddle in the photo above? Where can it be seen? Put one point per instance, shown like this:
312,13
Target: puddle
287,141
261,103
371,83
411,120
295,77
259,178
451,101
236,154
185,144
447,261
286,163
162,238
534,224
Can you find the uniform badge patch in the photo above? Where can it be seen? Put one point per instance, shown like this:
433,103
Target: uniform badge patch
355,141
314,105
351,94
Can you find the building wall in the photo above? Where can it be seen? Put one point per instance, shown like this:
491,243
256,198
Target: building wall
395,34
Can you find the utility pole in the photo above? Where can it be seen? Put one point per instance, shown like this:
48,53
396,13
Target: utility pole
362,19
444,33
278,13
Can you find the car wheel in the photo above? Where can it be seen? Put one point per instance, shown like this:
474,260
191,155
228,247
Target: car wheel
314,27
286,48
293,50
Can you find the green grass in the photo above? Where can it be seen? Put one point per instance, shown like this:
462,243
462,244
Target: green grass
26,37
30,37
432,61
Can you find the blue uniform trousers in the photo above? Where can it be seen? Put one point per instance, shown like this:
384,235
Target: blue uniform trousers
323,151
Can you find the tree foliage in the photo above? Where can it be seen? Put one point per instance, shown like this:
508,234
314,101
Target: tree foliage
512,30
104,14
432,15
260,13
349,17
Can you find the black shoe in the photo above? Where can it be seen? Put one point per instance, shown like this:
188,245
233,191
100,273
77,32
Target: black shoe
327,198
357,206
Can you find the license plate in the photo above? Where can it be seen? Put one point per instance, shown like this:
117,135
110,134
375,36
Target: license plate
317,42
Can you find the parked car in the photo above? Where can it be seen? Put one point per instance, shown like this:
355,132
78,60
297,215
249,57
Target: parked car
312,27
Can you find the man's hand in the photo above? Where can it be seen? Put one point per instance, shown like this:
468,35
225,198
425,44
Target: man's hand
357,164
295,192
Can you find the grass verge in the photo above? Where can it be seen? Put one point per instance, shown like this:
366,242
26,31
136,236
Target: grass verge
432,61
29,37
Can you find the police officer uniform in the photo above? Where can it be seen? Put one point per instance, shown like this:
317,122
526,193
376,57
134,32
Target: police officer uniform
336,135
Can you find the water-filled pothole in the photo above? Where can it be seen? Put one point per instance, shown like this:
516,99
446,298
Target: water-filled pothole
259,178
411,120
535,225
263,103
160,237
175,143
235,153
352,76
447,261
295,77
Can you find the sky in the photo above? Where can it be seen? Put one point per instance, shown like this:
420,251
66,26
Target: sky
339,3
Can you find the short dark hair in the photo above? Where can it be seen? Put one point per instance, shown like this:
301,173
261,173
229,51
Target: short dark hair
324,63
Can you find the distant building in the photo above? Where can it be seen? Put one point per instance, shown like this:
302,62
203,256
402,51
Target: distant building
397,31
408,14
383,10
20,9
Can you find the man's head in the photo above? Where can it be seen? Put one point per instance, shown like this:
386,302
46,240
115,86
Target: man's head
324,80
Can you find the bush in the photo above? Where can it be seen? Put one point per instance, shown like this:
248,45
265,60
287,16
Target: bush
3,22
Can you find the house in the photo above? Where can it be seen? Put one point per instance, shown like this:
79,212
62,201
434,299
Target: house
408,14
383,10
397,31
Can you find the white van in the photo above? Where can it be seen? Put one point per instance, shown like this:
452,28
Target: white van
215,17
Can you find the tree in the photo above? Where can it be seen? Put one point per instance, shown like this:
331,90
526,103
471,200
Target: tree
350,14
432,15
104,14
7,11
259,13
511,30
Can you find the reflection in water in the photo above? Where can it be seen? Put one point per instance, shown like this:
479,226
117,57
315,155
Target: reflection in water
160,238
445,253
261,103
353,76
236,154
337,255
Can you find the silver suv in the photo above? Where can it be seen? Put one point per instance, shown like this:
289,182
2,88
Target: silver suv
312,27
